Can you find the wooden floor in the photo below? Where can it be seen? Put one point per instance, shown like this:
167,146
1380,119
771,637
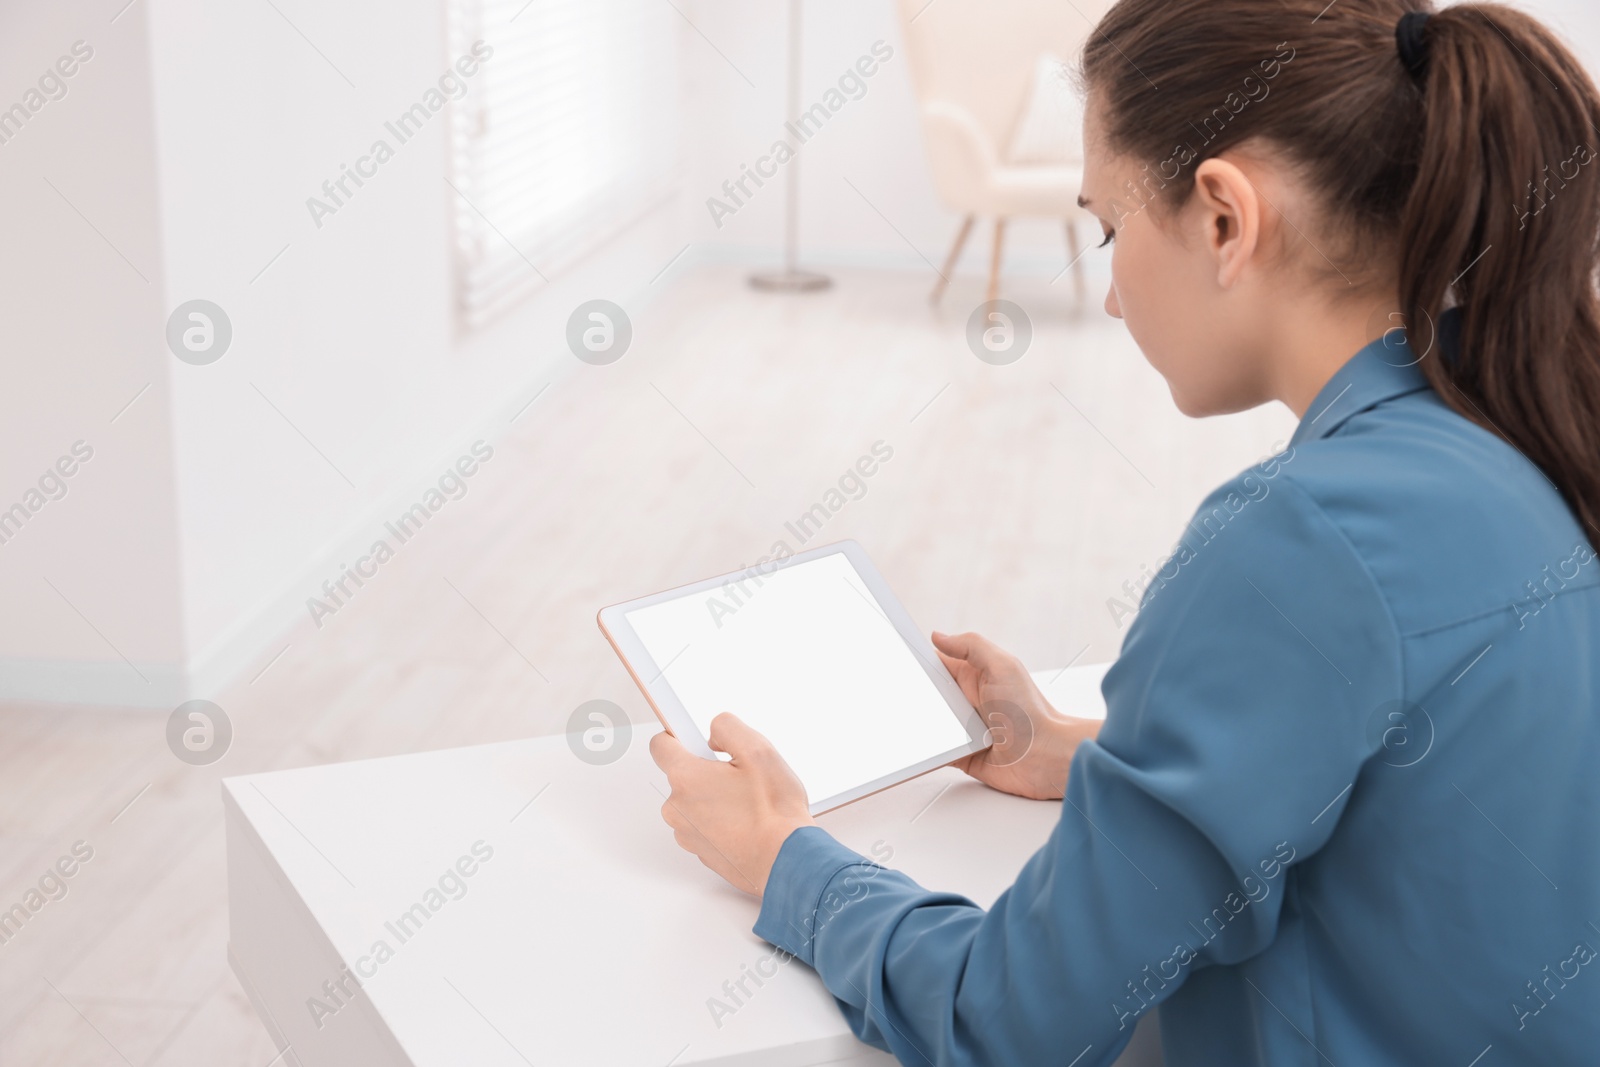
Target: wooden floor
1017,501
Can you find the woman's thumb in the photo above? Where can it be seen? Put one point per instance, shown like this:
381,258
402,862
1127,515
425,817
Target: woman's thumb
733,735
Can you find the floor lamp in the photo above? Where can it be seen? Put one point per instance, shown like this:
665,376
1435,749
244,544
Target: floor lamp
791,279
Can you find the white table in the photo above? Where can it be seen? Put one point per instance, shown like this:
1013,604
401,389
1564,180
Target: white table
587,937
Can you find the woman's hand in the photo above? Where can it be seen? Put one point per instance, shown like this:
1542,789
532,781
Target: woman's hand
733,815
1033,742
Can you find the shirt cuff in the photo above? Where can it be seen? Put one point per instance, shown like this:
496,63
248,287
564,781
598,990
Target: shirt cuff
809,860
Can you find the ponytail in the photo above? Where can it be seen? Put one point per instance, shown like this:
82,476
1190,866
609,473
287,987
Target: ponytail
1504,221
1466,149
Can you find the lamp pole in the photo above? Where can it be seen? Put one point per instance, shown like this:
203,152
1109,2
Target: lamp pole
791,279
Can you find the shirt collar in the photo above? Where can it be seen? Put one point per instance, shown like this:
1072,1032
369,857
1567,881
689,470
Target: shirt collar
1385,369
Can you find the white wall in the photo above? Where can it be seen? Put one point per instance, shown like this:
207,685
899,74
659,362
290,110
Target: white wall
91,582
1577,20
351,333
196,541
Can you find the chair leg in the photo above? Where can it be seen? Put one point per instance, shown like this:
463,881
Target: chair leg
994,262
950,260
1077,262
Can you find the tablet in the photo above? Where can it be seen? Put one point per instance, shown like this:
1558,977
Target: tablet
815,652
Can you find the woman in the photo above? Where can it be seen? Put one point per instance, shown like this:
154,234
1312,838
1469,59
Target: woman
1345,804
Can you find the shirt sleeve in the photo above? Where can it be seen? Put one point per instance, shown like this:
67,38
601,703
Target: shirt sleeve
1238,717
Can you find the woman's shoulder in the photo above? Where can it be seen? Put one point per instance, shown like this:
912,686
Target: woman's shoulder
1450,520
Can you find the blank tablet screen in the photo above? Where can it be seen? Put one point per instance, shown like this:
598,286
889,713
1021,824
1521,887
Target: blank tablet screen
809,659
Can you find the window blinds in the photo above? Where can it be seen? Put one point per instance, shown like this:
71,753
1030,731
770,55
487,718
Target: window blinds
569,136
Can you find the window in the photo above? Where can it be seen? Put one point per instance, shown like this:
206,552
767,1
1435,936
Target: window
567,137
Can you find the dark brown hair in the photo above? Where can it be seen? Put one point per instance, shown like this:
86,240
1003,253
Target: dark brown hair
1470,180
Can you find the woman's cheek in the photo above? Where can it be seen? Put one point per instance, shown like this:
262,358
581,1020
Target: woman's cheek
1131,284
1123,280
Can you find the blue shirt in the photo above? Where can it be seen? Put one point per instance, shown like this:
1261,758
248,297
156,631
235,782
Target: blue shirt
1344,808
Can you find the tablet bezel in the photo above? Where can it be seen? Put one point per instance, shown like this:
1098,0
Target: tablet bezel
677,721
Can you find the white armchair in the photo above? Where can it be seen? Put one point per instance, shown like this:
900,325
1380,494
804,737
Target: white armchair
973,66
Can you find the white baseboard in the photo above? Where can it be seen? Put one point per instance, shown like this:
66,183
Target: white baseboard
113,682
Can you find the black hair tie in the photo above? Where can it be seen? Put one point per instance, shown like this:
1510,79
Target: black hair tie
1411,37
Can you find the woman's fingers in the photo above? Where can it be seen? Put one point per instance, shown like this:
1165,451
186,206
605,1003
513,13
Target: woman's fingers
733,815
952,644
733,735
974,648
668,752
954,664
965,674
971,658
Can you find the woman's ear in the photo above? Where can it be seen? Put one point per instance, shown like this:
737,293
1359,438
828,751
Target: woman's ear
1230,216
